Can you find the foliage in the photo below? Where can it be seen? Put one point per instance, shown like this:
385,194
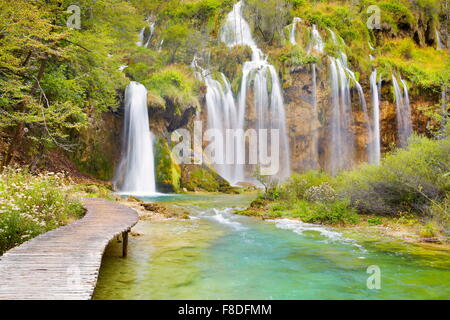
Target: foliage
409,180
53,79
413,182
296,56
425,67
92,190
297,186
176,84
31,205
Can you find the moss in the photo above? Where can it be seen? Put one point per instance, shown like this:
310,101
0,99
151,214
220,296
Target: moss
203,179
168,172
196,178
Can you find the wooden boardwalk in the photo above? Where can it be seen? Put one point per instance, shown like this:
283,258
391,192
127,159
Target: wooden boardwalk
64,263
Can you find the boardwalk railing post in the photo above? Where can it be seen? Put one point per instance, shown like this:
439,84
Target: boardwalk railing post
124,243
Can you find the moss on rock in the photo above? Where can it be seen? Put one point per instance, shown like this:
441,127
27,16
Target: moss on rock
203,178
168,172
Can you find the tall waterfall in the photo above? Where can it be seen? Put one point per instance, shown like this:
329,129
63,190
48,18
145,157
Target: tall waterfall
341,137
404,122
136,171
375,145
222,115
269,105
292,36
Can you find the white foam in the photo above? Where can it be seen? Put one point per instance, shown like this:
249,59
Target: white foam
300,227
224,217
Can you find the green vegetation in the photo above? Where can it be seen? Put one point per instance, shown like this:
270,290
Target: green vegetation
174,84
31,205
409,182
93,190
425,67
203,178
168,172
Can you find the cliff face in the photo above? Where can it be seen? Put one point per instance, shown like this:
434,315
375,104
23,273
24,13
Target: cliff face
304,126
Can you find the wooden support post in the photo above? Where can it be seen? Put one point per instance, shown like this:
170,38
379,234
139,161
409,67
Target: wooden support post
125,243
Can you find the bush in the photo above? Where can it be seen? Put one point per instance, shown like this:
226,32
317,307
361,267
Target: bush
322,193
175,83
336,212
298,184
409,180
31,205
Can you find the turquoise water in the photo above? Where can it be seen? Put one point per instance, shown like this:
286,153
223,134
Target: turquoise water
218,255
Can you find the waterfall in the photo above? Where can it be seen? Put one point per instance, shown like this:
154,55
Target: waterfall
222,115
316,42
341,137
152,31
341,154
439,45
136,171
293,29
160,45
269,105
404,122
375,144
141,35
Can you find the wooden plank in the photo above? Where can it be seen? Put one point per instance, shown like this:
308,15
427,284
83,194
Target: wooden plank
64,263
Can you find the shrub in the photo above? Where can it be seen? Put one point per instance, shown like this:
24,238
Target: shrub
298,184
175,83
31,205
337,212
322,193
409,180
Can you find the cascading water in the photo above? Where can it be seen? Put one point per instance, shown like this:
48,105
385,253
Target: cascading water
141,35
404,122
292,37
270,113
342,140
439,45
316,42
375,146
136,172
341,137
222,115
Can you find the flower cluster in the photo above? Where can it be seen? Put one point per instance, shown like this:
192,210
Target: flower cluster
32,204
321,193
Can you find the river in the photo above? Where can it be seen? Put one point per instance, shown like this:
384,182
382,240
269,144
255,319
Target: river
219,255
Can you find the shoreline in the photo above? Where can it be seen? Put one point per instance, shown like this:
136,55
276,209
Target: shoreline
390,227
